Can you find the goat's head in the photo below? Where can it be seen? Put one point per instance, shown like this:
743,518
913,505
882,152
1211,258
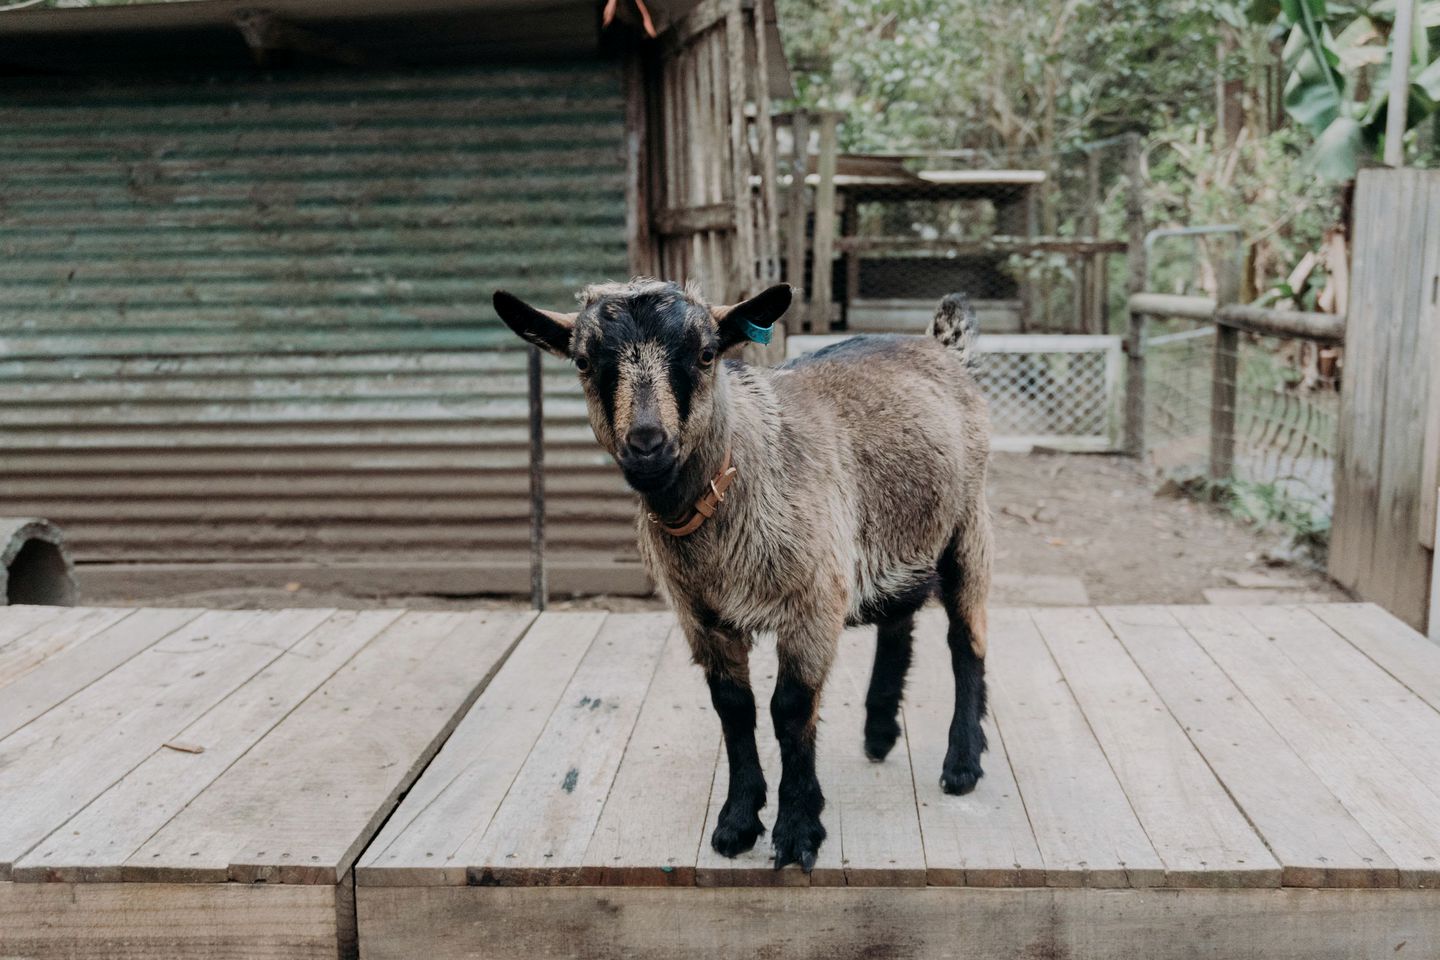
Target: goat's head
647,356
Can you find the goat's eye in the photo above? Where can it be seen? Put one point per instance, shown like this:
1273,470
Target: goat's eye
582,364
707,357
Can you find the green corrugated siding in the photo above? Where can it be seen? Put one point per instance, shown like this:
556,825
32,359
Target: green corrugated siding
250,320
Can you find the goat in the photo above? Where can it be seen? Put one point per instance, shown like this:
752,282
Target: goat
858,479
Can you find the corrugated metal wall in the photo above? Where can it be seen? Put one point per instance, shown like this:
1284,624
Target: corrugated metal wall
250,321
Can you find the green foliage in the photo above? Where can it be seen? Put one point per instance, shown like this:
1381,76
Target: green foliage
1003,77
1339,58
1268,506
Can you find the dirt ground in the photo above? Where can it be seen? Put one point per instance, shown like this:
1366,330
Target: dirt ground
1059,518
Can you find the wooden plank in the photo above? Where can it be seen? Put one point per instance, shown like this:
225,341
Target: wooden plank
796,219
17,621
543,827
1193,824
70,671
92,845
1385,797
1399,574
339,760
464,786
70,627
673,750
1394,645
1379,704
683,221
873,805
53,766
823,242
1094,842
1310,832
660,924
982,839
745,275
127,921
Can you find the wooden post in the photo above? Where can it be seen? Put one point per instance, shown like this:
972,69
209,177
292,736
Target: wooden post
1225,373
1091,308
539,590
795,218
1402,47
1135,337
822,278
849,227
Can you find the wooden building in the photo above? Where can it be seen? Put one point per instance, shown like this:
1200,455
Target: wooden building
248,260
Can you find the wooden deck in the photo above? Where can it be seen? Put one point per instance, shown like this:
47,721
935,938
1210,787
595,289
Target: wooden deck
1162,782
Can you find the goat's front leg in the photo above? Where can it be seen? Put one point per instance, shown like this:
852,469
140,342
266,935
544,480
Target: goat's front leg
805,657
725,656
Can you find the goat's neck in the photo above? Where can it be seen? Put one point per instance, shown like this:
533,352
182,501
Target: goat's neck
675,502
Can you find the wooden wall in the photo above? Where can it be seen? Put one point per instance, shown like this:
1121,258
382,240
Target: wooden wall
1386,467
709,166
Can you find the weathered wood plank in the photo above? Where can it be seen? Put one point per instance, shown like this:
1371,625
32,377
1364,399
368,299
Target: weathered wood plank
1084,826
1315,838
56,764
93,845
75,668
1383,795
871,807
461,790
339,760
1375,701
982,839
17,621
65,629
660,924
127,921
1193,824
1395,646
653,823
543,827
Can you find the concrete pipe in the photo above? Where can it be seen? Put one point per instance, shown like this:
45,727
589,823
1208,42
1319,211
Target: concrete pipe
34,565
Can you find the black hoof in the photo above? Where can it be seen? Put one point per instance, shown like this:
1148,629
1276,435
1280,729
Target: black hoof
797,839
880,736
734,833
961,780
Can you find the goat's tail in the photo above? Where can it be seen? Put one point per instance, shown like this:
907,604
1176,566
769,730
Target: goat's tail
956,326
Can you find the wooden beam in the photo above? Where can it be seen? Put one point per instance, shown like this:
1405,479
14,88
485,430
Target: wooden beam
1224,381
796,226
681,221
1135,336
706,15
1076,246
1173,305
822,280
266,33
1328,328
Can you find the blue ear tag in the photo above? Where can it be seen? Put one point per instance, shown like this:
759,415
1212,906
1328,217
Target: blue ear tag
757,333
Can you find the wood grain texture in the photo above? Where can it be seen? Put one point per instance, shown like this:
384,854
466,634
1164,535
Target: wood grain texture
299,806
870,806
982,839
1385,797
1312,834
1193,824
1084,826
93,844
456,798
652,827
72,670
1406,655
850,924
63,631
59,762
544,826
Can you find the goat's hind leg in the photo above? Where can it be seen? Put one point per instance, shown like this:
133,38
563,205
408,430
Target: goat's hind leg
964,587
893,641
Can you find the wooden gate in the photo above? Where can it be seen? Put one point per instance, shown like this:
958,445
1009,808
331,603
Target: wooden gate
1388,462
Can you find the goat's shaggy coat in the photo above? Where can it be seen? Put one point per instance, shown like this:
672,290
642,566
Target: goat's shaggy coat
861,485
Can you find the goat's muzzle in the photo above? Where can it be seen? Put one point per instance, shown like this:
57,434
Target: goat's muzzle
648,458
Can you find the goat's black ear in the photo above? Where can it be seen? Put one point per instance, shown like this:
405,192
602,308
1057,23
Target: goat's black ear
546,329
752,319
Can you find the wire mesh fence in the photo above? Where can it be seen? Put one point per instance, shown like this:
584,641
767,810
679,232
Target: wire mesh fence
1027,236
1285,416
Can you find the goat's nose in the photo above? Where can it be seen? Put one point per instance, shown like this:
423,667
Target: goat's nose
645,439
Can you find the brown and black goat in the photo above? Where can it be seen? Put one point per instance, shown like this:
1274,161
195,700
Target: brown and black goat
840,488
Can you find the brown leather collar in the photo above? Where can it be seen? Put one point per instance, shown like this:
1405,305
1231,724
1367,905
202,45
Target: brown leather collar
706,506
